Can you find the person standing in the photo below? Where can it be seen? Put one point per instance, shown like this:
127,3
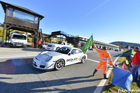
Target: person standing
136,64
104,58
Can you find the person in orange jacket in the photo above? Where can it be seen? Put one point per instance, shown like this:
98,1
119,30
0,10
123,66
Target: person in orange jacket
104,58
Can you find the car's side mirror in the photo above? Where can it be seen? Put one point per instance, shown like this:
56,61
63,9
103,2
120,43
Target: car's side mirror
69,54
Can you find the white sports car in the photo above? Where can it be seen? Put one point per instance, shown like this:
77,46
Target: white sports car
58,59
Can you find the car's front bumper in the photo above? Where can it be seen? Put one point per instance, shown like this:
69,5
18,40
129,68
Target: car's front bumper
50,48
45,66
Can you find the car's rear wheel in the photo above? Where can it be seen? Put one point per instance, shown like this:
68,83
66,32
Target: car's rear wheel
25,46
59,64
57,48
83,60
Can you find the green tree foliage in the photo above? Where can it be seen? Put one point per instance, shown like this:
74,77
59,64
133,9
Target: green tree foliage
48,40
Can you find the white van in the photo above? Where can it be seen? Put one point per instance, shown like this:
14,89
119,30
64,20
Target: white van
18,39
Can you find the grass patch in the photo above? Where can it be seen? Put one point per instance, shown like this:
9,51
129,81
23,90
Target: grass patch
133,52
114,89
121,59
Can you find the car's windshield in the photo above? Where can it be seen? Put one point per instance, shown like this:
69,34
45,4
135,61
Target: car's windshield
19,37
63,50
58,42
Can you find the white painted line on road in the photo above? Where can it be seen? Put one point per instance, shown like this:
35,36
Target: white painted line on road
103,81
93,60
100,86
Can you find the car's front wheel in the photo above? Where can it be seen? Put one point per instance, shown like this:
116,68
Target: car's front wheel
59,64
57,48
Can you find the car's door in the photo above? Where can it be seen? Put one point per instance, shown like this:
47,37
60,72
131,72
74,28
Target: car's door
73,57
79,54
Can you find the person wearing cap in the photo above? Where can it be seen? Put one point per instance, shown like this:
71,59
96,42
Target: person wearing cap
136,64
104,58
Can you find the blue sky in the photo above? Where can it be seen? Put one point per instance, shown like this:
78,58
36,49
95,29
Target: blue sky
107,20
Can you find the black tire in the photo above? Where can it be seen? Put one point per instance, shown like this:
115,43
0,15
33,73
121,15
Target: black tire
25,46
11,46
57,48
59,64
83,60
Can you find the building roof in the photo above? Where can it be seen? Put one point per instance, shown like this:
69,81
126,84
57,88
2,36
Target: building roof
125,44
107,44
4,5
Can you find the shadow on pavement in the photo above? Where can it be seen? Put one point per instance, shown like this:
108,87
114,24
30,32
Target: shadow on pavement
33,49
24,66
18,66
57,86
5,78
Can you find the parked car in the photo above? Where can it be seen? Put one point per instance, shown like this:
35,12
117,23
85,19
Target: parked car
116,50
45,45
57,45
18,39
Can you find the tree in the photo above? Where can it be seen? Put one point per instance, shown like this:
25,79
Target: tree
48,40
1,25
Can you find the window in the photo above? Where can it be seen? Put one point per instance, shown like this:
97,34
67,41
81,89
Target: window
63,50
36,20
10,12
19,37
80,51
75,51
23,16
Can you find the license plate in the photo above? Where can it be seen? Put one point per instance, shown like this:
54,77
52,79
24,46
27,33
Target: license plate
48,48
18,45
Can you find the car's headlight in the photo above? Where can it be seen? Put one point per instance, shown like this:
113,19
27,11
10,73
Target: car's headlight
36,58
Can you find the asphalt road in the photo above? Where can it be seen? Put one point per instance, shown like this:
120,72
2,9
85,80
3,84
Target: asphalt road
18,76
